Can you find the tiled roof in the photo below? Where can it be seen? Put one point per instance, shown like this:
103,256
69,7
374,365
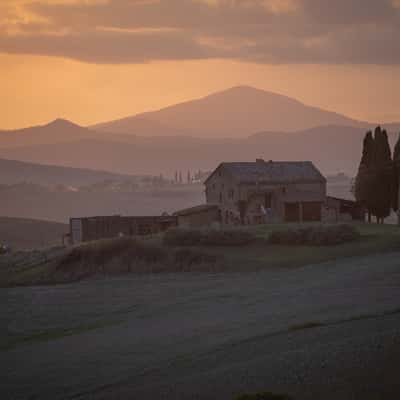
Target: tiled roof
273,171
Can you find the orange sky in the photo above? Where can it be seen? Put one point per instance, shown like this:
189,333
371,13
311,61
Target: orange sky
92,86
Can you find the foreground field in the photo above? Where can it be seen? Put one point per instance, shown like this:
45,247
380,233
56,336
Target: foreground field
327,331
123,256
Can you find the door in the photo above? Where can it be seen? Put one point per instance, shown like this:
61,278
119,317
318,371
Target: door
292,212
312,211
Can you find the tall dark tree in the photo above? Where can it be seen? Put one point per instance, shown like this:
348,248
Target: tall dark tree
396,175
375,182
382,183
364,178
368,150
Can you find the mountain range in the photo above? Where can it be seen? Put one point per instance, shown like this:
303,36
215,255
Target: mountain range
12,171
240,123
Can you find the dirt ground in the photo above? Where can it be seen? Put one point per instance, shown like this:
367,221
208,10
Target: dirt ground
328,331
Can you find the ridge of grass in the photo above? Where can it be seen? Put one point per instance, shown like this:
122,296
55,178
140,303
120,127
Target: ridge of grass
130,255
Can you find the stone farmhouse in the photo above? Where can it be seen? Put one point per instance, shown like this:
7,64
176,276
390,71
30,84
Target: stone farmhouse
237,193
267,192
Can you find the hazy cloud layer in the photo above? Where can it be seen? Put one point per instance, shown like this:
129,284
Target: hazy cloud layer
265,31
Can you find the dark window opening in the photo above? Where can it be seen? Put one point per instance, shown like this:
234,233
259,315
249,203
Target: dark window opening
268,201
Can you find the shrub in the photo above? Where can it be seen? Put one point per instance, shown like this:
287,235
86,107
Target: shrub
208,237
232,237
99,253
124,255
321,235
183,237
185,258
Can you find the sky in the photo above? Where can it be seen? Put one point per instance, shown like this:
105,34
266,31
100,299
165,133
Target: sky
96,60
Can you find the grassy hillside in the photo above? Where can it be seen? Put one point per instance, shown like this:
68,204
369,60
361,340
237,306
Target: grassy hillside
127,255
20,233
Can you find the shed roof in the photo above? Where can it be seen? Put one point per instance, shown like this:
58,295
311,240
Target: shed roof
196,209
272,171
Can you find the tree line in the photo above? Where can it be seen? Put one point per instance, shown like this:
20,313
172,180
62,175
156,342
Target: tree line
377,180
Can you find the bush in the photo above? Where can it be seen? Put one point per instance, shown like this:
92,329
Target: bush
322,235
95,254
208,237
186,258
125,255
183,237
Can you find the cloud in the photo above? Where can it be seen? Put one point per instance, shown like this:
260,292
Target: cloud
265,31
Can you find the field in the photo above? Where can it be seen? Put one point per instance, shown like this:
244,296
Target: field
328,331
116,257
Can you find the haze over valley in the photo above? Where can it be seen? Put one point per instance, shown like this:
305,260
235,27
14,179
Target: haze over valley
241,123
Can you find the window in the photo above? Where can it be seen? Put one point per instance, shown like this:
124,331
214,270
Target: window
220,197
268,202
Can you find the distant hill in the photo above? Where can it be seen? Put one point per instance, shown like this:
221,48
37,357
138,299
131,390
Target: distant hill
21,233
57,131
12,171
138,125
236,112
332,148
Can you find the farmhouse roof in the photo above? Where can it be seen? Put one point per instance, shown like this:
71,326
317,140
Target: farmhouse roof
271,171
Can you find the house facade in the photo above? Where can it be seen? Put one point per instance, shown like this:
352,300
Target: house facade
267,192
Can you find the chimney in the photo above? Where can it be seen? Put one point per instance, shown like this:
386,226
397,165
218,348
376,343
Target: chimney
259,160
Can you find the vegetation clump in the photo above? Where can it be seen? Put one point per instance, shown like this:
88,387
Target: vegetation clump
124,255
208,237
321,235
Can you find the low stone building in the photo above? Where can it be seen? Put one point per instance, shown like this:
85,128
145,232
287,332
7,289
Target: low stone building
267,192
104,227
343,210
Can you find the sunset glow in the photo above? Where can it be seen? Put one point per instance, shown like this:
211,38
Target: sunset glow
97,60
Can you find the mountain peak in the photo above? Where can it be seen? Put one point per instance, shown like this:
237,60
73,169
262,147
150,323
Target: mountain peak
238,111
61,122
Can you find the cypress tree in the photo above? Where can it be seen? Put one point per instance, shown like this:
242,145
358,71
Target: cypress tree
382,184
363,183
368,150
396,175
